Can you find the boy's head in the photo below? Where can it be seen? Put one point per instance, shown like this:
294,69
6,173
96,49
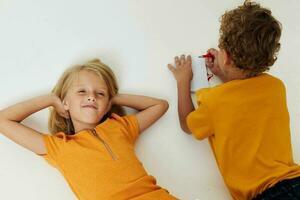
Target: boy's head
249,36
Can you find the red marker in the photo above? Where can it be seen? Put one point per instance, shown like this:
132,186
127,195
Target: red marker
208,55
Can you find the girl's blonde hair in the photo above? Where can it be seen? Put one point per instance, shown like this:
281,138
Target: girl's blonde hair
58,123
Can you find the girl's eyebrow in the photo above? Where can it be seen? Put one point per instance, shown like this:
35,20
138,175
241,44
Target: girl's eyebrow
99,88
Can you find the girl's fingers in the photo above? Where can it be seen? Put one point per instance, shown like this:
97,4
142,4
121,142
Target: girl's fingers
62,114
67,114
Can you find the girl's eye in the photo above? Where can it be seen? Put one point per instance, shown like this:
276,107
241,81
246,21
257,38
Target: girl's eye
101,94
81,91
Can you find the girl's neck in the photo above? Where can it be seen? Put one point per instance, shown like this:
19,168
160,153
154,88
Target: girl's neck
83,126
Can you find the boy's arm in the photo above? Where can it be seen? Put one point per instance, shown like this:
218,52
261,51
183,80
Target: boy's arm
11,117
185,104
150,109
183,74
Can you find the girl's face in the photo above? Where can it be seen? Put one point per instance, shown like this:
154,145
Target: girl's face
87,100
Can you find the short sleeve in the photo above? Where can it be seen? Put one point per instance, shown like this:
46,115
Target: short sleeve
199,121
54,145
130,123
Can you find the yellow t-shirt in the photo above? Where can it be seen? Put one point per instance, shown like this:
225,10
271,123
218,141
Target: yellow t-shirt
247,124
104,168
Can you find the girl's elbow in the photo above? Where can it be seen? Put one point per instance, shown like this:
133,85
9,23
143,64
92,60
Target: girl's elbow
2,118
165,104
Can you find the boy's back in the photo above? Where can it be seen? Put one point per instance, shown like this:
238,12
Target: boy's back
247,123
246,119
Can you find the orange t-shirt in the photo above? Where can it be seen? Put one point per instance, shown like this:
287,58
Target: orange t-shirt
104,167
247,123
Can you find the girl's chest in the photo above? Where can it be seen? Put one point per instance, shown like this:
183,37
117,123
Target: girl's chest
100,147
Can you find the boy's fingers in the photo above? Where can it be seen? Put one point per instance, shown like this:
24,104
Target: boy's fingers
189,59
171,68
177,61
214,52
211,49
209,60
208,63
182,59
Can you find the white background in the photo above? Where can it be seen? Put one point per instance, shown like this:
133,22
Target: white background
137,38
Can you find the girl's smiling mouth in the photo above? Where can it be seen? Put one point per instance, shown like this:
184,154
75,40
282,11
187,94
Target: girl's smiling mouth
93,106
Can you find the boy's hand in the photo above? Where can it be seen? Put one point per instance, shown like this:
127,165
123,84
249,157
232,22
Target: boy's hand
59,107
212,63
183,69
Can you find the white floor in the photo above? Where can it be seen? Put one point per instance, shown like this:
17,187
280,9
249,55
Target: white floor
137,38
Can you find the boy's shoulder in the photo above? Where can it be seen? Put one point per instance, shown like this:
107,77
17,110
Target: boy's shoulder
264,81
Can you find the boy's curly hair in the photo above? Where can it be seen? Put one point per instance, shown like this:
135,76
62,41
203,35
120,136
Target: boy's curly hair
250,34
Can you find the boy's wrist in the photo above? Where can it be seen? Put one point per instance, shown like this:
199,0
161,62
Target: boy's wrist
183,83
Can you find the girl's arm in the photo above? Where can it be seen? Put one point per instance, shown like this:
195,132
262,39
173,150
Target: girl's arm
183,74
11,117
150,109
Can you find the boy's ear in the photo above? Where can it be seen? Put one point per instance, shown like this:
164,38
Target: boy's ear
227,58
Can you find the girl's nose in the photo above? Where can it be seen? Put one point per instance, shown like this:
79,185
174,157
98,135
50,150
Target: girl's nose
91,97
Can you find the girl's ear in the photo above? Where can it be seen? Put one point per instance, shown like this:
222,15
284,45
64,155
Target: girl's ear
66,104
